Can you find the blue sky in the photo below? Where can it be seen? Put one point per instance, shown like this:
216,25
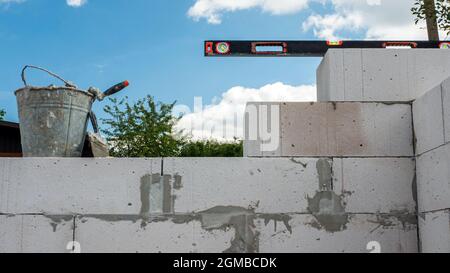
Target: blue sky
158,47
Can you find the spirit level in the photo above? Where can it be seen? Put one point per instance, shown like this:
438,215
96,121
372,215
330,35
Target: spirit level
303,48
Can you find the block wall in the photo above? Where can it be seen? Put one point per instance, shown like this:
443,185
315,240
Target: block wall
207,205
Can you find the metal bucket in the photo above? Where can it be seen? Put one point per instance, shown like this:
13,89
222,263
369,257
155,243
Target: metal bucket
53,120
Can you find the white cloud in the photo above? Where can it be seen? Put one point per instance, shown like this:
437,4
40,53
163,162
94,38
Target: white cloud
224,120
325,27
72,3
378,19
212,10
76,3
11,1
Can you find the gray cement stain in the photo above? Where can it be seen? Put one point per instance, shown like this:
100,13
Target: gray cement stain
246,239
415,191
304,165
167,194
329,211
111,217
146,181
178,184
284,218
326,206
241,220
167,199
408,220
325,173
58,219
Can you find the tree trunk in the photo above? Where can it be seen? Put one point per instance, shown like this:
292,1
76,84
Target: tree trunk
432,26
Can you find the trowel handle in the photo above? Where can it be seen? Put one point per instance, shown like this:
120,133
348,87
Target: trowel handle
116,88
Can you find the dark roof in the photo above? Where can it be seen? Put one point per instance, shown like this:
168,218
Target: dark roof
9,124
10,139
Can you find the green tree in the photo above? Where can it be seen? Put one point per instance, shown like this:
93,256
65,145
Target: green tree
142,129
147,129
212,148
2,114
436,13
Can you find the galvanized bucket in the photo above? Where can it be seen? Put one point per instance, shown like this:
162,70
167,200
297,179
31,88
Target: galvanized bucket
54,120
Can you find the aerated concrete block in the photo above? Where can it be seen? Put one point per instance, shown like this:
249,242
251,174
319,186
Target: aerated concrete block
346,129
270,185
73,186
428,121
193,180
330,75
433,179
369,185
211,204
127,234
340,129
361,234
380,74
435,232
428,68
378,185
255,233
35,234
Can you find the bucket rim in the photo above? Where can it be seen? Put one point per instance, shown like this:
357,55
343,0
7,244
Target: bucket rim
52,88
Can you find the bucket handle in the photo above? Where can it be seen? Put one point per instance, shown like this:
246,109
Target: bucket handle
68,84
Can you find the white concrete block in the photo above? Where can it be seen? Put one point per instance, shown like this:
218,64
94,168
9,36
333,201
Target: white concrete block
213,241
340,129
346,129
298,233
368,185
353,73
392,235
435,232
433,179
106,235
269,185
428,68
387,74
73,186
428,121
330,75
379,185
35,234
205,201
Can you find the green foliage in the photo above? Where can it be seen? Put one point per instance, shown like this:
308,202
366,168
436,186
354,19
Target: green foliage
146,129
420,11
212,148
2,114
143,129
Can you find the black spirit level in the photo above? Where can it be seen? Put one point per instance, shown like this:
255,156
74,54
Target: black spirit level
303,48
